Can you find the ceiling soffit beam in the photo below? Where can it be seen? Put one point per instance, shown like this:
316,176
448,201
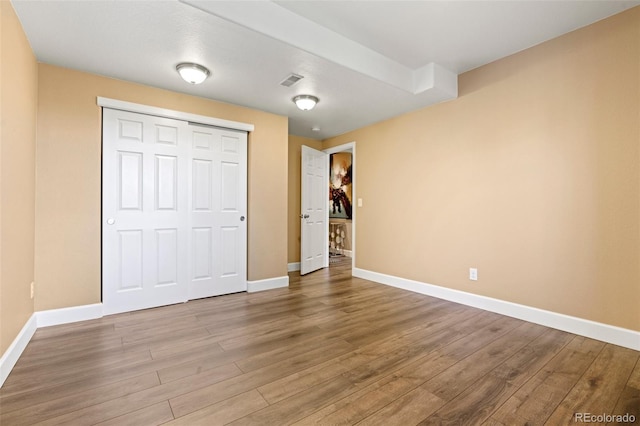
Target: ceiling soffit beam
268,18
435,77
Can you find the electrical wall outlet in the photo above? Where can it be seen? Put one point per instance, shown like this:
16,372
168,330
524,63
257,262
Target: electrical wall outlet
473,274
33,285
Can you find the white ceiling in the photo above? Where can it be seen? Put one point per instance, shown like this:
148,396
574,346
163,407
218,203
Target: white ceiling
366,60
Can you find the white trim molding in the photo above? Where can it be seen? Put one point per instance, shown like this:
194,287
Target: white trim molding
583,327
267,284
177,115
293,266
69,315
13,352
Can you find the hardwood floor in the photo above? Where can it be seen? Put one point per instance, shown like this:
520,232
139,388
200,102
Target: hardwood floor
331,350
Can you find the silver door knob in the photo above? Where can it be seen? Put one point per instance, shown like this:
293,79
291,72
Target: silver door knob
111,221
304,216
241,218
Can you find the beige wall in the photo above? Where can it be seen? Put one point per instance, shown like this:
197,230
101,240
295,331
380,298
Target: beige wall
18,106
67,261
532,175
293,215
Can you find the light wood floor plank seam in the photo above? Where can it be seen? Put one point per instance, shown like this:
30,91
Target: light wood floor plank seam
619,400
541,367
577,381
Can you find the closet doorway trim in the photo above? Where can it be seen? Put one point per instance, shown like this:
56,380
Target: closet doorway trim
177,115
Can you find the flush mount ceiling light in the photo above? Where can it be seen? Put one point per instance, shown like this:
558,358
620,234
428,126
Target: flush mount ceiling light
305,102
192,73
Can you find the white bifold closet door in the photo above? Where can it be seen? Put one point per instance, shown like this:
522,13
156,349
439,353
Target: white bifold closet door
173,211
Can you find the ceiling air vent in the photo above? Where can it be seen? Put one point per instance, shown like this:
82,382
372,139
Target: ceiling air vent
291,80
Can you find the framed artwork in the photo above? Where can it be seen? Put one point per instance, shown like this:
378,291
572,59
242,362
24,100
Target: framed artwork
340,192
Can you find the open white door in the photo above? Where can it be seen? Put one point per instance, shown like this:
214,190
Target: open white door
314,192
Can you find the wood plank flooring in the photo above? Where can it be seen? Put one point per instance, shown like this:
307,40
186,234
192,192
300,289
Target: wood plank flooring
329,350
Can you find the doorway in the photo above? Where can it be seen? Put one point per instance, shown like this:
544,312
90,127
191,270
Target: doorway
342,205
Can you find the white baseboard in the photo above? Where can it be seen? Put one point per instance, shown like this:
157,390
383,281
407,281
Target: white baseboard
294,266
595,330
43,319
82,313
13,352
268,284
69,315
347,253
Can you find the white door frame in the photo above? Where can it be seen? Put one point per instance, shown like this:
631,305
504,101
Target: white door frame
350,147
